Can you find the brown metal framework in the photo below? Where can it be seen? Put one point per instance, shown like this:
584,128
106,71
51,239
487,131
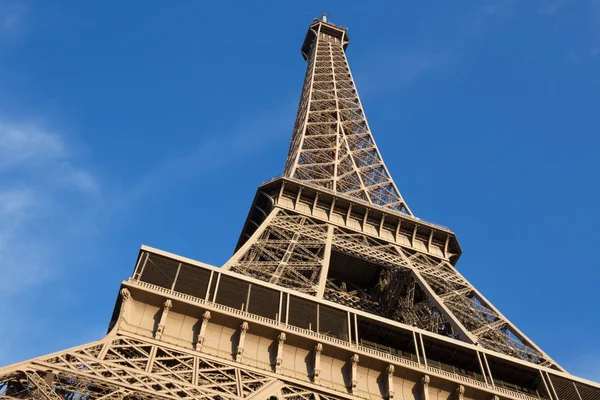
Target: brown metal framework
332,145
388,264
125,367
335,291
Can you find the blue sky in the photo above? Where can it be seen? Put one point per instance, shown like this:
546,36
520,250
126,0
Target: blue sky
147,123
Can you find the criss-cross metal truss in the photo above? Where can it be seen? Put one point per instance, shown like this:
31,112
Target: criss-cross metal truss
335,291
298,252
120,367
332,145
289,252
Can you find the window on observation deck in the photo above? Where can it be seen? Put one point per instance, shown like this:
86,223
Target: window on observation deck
452,358
383,338
517,377
567,389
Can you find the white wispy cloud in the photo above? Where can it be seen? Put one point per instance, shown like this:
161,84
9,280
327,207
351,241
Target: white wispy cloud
39,178
48,197
247,139
14,204
25,144
27,149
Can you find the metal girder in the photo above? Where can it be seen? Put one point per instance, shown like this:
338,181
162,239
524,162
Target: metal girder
289,251
119,367
451,299
292,251
332,145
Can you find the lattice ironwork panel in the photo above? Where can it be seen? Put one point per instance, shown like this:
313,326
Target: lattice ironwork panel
289,252
408,284
126,368
332,145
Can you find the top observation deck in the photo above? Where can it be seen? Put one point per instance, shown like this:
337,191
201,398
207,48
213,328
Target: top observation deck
323,26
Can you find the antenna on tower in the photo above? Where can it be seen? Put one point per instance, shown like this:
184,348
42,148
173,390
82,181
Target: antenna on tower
324,17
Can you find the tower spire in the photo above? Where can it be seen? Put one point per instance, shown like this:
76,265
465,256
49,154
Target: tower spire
332,145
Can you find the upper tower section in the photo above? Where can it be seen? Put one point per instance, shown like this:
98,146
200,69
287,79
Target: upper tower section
321,25
332,145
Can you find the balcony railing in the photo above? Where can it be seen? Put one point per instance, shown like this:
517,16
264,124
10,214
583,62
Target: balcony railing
244,315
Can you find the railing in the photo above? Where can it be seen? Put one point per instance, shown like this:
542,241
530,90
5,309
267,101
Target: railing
320,337
316,335
355,200
452,375
515,394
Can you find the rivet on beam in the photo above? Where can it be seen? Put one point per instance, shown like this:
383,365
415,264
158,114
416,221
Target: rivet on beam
279,360
202,333
390,381
167,305
240,348
425,381
460,392
318,350
354,360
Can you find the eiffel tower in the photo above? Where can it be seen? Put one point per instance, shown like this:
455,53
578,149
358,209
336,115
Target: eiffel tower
335,291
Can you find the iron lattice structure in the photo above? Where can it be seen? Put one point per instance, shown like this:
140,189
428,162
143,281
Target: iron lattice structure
335,291
129,368
332,145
